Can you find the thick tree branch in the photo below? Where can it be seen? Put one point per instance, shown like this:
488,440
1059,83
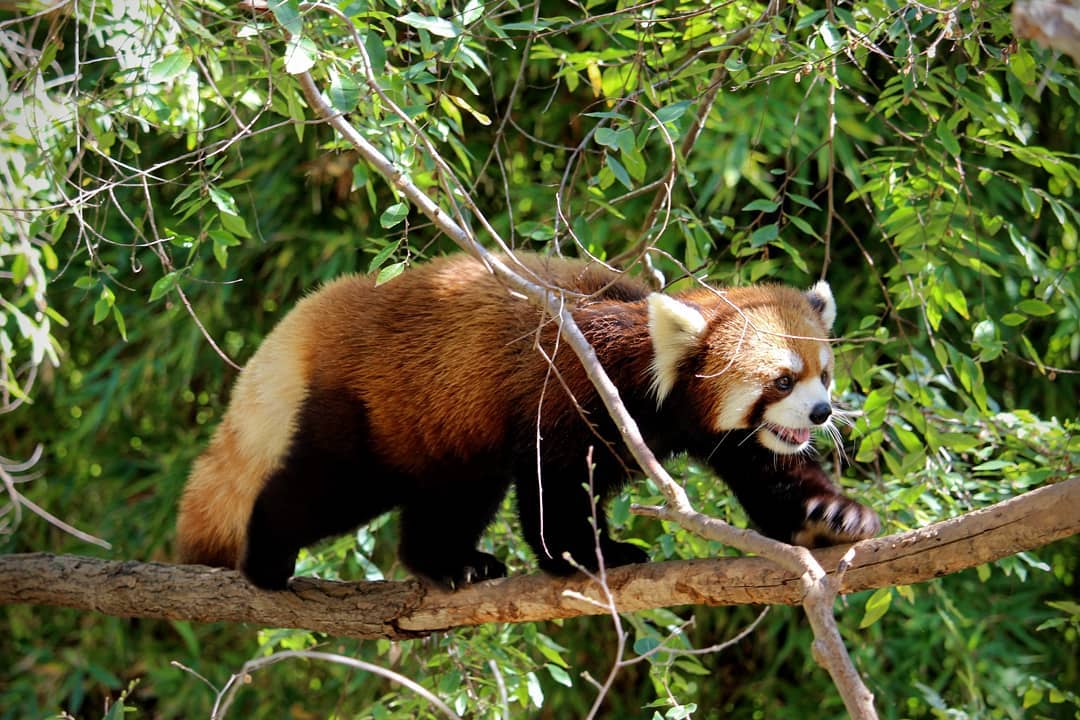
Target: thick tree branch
409,608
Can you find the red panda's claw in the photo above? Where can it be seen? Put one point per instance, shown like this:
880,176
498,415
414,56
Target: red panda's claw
835,520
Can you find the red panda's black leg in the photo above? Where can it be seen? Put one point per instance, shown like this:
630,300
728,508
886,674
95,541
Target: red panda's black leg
440,528
307,500
560,520
328,484
790,498
270,554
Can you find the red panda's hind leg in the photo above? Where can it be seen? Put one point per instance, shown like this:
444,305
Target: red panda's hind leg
440,527
560,520
329,483
304,502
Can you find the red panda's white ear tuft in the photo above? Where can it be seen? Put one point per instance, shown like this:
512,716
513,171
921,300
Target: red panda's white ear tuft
821,299
674,327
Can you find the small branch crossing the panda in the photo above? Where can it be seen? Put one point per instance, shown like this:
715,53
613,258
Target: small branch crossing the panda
817,597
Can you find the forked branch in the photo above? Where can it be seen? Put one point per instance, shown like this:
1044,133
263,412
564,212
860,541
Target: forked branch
408,608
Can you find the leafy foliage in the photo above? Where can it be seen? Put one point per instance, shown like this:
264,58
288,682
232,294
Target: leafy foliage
166,197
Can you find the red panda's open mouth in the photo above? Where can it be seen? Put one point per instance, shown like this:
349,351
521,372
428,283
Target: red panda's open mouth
792,436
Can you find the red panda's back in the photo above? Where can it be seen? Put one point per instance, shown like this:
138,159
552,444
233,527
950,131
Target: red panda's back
439,360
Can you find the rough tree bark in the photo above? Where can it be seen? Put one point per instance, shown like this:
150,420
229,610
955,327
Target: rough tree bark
409,609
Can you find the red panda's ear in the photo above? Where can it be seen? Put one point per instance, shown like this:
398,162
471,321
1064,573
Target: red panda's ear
673,327
821,299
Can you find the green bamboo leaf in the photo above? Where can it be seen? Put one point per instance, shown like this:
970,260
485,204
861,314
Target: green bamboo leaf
170,66
876,606
764,235
434,25
1038,308
300,55
394,214
164,285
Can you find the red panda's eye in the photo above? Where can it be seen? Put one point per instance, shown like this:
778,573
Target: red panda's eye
784,383
825,378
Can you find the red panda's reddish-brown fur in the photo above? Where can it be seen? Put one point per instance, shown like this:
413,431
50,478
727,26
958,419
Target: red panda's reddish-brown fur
438,369
449,339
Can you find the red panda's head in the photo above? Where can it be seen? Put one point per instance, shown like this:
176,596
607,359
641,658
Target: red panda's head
750,358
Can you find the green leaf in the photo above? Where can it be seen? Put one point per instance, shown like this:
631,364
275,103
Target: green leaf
300,55
681,712
1035,307
947,138
876,606
559,675
761,204
607,137
536,693
802,225
764,235
645,644
170,66
287,13
619,171
120,324
434,25
223,240
381,257
635,164
831,36
223,200
734,64
1032,697
234,224
394,214
376,51
344,93
1023,66
1013,319
670,113
389,272
103,305
803,200
164,284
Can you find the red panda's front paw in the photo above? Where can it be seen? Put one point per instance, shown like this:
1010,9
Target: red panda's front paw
835,520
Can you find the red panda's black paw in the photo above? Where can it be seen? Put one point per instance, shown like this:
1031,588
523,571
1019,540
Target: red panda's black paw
835,520
479,567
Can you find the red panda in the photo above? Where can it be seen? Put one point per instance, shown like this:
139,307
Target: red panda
430,393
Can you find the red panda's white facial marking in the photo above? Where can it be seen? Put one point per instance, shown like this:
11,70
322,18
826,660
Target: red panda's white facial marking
762,367
787,422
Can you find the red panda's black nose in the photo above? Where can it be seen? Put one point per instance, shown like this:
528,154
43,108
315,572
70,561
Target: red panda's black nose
820,413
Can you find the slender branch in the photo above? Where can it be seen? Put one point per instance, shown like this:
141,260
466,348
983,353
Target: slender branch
408,608
818,594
